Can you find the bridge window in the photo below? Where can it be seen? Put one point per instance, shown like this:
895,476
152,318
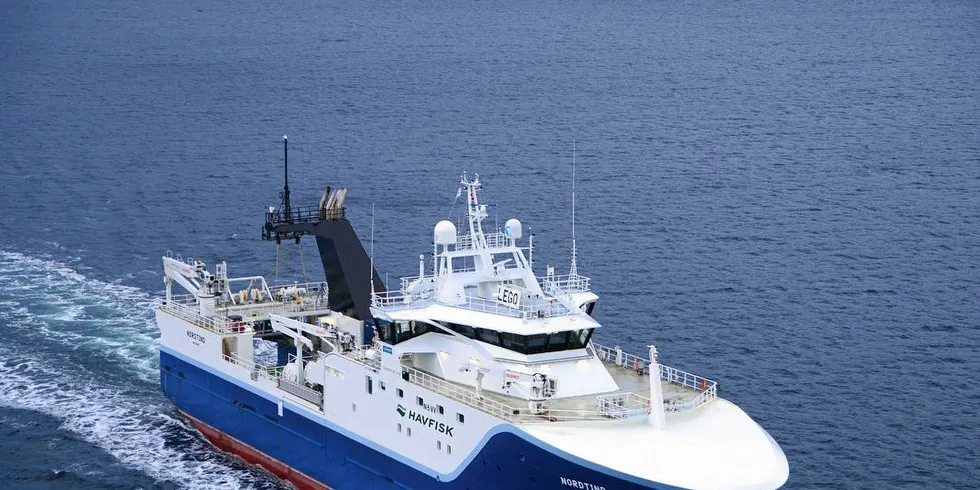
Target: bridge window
400,331
558,341
579,338
527,344
537,344
463,264
513,341
489,336
464,330
588,307
505,261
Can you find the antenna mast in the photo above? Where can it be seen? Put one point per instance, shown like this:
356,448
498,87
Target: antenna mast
574,269
371,272
287,211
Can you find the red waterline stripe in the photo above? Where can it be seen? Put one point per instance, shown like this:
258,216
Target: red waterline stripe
248,453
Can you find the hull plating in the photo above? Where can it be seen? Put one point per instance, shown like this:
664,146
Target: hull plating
308,453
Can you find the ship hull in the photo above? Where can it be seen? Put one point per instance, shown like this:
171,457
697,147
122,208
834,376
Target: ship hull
231,445
313,455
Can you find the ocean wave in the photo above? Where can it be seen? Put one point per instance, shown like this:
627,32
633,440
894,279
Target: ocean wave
141,433
93,365
50,303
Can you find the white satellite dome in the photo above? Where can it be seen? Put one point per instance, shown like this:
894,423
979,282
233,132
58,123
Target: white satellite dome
513,229
445,233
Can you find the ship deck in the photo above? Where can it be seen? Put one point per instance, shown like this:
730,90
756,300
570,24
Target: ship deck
628,380
631,382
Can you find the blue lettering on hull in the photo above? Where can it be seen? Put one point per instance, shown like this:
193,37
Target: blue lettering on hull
340,461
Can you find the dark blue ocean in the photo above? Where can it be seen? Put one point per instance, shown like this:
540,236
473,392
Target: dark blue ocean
783,195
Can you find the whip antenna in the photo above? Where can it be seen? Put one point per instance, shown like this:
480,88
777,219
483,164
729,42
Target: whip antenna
574,269
371,272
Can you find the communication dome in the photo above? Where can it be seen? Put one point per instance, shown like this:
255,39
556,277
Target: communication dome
513,229
445,233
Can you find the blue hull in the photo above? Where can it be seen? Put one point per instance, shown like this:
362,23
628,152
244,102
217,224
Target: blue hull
508,459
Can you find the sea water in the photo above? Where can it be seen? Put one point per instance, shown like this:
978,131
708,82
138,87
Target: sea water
783,196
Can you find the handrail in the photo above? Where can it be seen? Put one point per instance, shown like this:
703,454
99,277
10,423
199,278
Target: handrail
396,300
494,240
708,389
632,406
365,354
293,388
211,324
565,283
269,373
623,405
284,296
304,214
274,375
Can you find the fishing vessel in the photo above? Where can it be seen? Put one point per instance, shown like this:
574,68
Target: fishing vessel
474,374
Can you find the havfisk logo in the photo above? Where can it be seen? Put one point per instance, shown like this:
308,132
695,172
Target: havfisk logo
425,421
431,423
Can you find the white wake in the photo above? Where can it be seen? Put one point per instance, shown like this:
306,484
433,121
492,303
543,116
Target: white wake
86,354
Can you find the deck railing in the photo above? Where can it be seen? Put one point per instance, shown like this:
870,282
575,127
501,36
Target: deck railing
286,298
623,405
312,396
304,214
274,375
367,355
463,395
211,324
708,389
257,370
494,240
284,308
396,300
565,283
631,405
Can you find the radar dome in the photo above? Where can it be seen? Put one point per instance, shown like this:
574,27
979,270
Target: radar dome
513,229
445,233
